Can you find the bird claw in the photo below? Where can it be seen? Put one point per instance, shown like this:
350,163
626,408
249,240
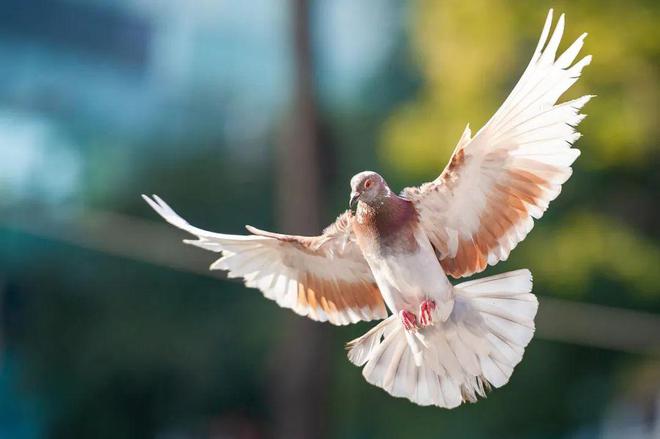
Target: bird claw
426,309
409,320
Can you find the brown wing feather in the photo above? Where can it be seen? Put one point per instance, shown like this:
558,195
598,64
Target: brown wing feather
484,201
323,277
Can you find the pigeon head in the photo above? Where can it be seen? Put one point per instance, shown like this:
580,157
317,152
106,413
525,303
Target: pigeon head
368,187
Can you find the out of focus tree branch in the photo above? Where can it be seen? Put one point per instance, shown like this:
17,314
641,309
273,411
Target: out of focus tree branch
157,243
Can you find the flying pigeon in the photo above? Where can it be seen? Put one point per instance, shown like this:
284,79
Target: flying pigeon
443,344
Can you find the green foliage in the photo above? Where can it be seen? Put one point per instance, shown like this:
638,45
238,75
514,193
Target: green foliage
567,256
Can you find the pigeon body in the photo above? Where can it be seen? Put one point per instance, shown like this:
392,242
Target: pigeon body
400,255
443,344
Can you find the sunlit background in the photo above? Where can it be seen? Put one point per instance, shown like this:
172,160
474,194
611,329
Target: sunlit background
110,327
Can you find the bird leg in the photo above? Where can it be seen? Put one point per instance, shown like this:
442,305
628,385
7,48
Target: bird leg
408,319
426,309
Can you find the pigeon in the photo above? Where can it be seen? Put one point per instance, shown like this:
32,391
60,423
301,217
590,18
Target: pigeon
389,257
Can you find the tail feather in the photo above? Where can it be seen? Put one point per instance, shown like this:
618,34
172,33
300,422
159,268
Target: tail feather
458,360
360,349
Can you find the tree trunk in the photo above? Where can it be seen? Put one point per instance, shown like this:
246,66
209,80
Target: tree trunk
300,375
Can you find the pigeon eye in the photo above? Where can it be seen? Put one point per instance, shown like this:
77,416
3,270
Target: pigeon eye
368,184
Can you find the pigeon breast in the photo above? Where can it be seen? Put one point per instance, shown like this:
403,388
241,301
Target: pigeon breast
387,228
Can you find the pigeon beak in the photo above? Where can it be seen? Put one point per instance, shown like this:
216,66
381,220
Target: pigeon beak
352,204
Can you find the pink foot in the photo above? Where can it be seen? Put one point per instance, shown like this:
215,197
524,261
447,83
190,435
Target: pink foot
408,319
426,312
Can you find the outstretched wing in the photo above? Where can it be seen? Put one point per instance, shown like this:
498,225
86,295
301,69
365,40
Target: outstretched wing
323,277
484,202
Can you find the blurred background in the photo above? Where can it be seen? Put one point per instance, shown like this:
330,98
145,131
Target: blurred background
259,112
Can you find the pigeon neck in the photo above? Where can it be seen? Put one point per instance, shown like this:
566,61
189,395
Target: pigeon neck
386,215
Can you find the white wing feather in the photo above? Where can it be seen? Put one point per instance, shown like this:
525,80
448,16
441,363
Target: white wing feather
324,278
485,200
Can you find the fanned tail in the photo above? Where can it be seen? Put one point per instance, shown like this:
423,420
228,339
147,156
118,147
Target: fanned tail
476,348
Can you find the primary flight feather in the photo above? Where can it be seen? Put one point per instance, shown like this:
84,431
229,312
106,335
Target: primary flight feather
443,344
